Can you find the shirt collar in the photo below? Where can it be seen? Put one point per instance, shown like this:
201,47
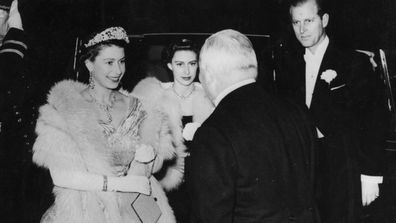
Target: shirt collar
231,88
320,50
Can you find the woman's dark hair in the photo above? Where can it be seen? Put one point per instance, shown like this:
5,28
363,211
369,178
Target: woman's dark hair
92,52
105,37
181,44
93,44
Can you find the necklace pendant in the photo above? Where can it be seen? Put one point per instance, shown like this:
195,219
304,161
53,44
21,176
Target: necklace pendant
105,107
183,96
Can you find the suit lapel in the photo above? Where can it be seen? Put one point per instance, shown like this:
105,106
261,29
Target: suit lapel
321,87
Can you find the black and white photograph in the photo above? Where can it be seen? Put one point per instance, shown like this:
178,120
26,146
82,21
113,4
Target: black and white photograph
197,111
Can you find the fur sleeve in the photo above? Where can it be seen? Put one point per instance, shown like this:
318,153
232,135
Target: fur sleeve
54,148
163,128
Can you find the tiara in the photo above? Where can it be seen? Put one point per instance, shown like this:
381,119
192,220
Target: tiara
112,33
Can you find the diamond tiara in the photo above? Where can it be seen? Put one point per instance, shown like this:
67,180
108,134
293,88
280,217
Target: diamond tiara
112,33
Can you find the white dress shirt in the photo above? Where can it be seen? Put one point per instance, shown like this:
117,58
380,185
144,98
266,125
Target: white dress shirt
312,65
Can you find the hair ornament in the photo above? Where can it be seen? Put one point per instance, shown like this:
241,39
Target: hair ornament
112,33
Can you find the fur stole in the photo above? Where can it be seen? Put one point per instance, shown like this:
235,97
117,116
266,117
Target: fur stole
70,138
158,96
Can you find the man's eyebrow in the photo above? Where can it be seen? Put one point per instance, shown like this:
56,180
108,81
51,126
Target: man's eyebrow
112,58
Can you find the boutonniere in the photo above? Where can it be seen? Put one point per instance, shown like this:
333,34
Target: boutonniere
328,75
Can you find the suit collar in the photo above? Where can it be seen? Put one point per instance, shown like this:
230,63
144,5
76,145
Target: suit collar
231,88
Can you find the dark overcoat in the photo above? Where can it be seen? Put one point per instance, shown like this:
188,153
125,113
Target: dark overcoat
251,161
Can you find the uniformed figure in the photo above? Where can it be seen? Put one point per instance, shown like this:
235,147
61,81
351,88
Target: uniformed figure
19,197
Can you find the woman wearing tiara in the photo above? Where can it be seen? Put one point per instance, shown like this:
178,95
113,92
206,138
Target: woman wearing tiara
186,103
102,145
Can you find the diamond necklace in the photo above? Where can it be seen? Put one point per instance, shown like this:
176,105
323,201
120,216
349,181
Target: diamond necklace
105,107
183,96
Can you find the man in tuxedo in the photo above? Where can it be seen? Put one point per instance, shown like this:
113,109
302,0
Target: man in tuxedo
346,103
251,159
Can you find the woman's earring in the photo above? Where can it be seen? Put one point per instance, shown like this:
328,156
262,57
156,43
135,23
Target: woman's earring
91,82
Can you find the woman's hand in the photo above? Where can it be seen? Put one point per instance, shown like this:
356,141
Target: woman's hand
144,154
140,169
142,165
139,184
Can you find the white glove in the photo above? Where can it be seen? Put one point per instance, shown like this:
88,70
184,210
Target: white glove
370,192
94,182
14,19
140,169
140,184
144,154
190,129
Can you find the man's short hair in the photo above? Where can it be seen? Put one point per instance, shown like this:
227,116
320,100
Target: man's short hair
229,50
321,4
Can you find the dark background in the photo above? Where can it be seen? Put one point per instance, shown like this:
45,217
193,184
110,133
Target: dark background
53,26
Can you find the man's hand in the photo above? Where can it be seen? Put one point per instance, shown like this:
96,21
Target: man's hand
14,19
370,192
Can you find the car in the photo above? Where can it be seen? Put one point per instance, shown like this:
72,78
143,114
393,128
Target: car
145,58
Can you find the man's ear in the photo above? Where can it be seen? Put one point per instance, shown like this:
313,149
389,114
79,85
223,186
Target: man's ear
89,65
169,66
325,20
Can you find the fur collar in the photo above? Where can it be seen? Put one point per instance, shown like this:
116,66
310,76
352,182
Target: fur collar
161,94
69,119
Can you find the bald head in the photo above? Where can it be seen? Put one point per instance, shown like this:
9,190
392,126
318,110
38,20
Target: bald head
227,57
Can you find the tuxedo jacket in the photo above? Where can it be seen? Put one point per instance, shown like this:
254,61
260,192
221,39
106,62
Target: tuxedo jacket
251,161
350,109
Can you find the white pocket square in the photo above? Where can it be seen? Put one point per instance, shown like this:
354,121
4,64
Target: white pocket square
337,87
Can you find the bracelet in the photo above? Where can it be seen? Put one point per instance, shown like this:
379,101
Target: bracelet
104,183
